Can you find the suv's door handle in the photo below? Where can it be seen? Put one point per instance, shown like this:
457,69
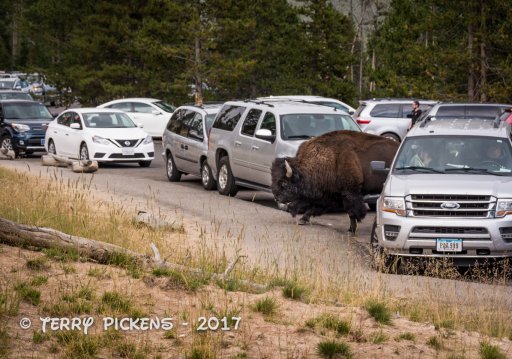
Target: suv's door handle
255,148
238,143
184,147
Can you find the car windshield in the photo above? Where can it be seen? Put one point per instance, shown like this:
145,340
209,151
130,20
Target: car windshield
15,95
455,154
6,84
107,120
165,106
26,111
303,126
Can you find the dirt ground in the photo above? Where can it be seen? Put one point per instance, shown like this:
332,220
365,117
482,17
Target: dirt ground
291,332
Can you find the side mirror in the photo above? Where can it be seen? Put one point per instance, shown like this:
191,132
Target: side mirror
379,167
264,134
75,126
156,112
351,112
140,125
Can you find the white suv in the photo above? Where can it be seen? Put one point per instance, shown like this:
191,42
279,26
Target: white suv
247,136
317,100
389,118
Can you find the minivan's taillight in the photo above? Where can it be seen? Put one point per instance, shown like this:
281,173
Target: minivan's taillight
363,121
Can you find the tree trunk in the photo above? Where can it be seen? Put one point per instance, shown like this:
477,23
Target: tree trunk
471,74
197,76
483,54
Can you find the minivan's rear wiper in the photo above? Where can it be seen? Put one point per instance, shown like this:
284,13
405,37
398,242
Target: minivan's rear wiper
472,169
419,169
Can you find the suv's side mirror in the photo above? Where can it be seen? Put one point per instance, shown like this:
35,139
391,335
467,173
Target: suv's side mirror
264,134
75,126
379,167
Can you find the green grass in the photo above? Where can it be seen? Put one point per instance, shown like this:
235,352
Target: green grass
489,351
39,280
4,343
434,343
331,322
266,306
181,280
379,338
293,290
28,294
405,336
37,264
9,302
333,349
379,311
117,302
62,254
38,337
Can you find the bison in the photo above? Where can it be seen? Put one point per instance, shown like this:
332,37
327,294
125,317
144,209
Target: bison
332,171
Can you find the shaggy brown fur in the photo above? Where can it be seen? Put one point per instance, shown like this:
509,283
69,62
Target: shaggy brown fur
334,165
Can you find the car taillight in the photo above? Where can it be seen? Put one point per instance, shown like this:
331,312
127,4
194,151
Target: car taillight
210,130
363,121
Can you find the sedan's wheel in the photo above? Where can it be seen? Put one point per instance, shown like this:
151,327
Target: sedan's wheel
84,152
172,172
51,148
381,261
206,177
6,144
391,136
225,180
144,163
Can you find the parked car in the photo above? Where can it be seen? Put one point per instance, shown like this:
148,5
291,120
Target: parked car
14,95
465,110
22,125
389,118
318,100
14,83
185,143
153,114
103,135
506,115
448,194
247,136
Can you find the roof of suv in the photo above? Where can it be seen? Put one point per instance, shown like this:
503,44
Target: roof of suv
209,108
461,126
397,100
285,107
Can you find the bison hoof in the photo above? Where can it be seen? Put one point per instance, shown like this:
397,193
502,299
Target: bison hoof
303,221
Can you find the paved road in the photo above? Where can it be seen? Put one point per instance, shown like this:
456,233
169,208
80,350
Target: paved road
270,237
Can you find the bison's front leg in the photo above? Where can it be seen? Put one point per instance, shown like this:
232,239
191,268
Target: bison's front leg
355,207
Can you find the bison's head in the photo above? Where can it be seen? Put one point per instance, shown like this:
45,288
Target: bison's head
285,181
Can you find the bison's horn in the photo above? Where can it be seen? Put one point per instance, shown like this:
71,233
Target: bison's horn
289,171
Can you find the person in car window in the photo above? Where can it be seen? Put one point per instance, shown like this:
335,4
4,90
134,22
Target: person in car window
415,113
421,159
494,153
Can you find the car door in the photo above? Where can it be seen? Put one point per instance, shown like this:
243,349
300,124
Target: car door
241,153
263,152
59,133
180,144
74,139
151,117
194,143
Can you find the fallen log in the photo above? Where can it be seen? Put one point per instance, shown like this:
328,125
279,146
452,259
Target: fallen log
48,160
82,166
6,154
15,234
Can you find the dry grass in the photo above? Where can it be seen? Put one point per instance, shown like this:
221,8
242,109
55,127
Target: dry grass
69,206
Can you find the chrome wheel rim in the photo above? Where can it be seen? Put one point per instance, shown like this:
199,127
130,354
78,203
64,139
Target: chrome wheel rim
169,166
51,148
205,175
7,144
84,154
223,177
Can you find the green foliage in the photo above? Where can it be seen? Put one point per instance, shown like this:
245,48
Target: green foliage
379,311
266,306
293,290
28,294
489,351
333,349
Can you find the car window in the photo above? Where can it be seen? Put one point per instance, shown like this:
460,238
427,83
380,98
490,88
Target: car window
196,127
123,106
209,121
386,110
228,117
63,119
250,122
269,123
74,118
304,126
165,106
450,111
142,107
108,120
176,121
26,111
483,111
359,110
7,85
187,121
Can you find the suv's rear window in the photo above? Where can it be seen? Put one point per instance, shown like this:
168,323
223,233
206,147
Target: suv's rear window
483,111
228,117
386,110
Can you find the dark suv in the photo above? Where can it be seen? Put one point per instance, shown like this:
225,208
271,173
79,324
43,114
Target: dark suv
23,125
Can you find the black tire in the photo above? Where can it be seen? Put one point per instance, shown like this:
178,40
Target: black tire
173,174
206,176
51,147
381,261
391,136
84,152
6,143
144,163
225,180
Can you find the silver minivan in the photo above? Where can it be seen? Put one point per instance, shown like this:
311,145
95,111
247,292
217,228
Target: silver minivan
185,143
247,136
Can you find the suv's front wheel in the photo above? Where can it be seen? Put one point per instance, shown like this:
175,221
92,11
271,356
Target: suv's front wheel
381,261
225,180
6,144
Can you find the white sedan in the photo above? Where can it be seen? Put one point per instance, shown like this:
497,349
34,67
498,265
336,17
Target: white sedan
153,114
103,135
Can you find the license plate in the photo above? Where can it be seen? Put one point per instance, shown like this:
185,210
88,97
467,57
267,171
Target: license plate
127,151
42,142
449,245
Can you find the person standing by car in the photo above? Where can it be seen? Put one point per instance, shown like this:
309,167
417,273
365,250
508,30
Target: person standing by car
415,113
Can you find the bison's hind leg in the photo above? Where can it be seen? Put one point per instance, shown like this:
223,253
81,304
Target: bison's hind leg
355,207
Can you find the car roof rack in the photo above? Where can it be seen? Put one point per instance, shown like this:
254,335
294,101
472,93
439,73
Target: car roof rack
259,102
286,99
496,120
